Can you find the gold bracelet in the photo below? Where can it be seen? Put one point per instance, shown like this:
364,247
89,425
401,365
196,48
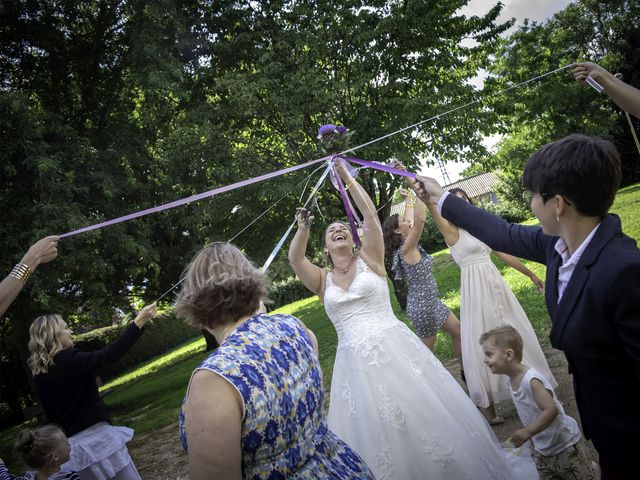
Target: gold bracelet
22,272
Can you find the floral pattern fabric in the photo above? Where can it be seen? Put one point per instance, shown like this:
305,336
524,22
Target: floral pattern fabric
270,360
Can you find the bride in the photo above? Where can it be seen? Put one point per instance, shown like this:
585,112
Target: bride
391,398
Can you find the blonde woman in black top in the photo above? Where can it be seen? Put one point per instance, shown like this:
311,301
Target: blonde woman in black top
65,380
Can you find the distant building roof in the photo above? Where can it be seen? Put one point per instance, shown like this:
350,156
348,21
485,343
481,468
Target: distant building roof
475,186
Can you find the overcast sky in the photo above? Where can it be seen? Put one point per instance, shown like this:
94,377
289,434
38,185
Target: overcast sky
538,10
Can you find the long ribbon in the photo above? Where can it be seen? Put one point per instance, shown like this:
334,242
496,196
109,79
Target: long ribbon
633,131
348,208
380,166
211,193
193,198
352,216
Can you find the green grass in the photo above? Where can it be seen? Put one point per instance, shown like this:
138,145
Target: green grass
149,397
172,357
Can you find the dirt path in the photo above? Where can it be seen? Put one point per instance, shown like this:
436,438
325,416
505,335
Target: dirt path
158,455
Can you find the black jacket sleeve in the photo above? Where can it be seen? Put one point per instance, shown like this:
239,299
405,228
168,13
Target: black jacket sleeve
79,361
519,240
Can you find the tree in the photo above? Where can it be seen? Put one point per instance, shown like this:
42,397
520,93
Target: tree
606,32
113,106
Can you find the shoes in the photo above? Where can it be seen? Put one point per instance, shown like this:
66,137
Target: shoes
497,420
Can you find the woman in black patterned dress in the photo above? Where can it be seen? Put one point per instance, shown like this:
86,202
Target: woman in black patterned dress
409,261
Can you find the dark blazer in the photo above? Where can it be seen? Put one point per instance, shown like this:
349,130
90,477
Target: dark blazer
596,324
68,391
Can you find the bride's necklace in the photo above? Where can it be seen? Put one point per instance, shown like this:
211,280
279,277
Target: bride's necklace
348,267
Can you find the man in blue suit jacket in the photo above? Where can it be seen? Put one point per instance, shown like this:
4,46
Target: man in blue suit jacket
592,287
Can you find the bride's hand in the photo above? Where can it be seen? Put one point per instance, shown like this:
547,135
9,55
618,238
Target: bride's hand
304,217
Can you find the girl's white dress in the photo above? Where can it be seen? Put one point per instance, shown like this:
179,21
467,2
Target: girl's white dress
393,401
487,302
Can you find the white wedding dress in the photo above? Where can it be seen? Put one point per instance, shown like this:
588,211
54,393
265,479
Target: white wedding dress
393,401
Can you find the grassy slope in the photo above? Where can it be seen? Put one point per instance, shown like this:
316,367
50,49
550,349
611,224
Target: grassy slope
149,397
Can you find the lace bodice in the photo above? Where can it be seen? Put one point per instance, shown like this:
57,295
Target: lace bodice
469,250
360,313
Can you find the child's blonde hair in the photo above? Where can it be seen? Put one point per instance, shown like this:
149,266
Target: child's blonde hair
43,342
505,337
38,445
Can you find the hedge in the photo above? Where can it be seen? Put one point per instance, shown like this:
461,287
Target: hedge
287,291
162,335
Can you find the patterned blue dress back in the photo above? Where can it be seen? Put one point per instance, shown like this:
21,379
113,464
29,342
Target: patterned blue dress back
270,360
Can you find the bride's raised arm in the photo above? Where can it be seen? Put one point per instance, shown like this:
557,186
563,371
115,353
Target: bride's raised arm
309,274
372,250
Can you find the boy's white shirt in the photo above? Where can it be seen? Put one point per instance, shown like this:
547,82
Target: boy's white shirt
563,431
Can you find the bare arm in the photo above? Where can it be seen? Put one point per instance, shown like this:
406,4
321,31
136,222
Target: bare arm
372,249
409,206
548,412
516,264
214,428
430,191
309,274
413,238
42,251
449,231
625,96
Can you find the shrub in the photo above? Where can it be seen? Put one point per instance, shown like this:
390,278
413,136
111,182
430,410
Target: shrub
287,291
163,334
511,211
431,238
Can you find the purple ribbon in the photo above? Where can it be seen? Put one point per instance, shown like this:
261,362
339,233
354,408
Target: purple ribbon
192,198
350,211
380,166
352,216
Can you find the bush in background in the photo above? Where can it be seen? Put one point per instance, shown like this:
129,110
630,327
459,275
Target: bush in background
512,212
431,238
287,291
163,334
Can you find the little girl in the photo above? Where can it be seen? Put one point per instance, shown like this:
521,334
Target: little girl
44,449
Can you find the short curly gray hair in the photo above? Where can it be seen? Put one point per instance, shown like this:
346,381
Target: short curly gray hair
220,285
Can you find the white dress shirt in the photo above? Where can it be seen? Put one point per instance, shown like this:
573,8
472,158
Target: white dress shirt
569,261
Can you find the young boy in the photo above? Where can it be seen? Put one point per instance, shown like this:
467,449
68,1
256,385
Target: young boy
558,452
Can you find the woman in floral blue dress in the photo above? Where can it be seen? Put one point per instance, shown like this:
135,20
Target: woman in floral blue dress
253,408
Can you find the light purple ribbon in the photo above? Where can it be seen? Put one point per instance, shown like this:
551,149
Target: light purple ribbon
350,211
193,198
379,166
352,216
278,246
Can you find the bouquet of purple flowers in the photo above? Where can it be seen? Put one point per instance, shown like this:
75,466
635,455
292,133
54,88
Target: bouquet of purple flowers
334,139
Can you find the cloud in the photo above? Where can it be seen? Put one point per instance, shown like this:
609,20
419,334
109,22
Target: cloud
538,10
